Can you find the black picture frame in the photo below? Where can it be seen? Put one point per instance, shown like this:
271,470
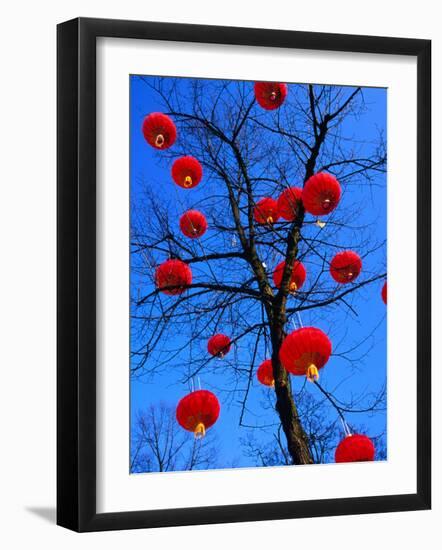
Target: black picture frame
76,272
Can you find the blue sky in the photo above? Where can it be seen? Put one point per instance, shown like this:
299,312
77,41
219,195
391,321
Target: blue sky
364,333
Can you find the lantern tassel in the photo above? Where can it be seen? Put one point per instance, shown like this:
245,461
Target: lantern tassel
159,141
187,181
269,220
312,373
200,431
293,287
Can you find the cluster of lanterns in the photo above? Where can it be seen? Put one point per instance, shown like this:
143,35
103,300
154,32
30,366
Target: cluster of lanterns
199,410
319,196
304,351
160,132
172,277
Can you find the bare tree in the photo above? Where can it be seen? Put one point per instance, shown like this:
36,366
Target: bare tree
248,153
159,444
270,449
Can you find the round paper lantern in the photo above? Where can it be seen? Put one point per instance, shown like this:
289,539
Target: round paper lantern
304,351
297,277
193,224
384,293
289,202
345,266
219,345
173,273
321,194
187,172
198,411
270,95
265,373
266,211
159,131
355,448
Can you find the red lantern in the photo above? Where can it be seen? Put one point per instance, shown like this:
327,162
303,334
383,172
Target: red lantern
384,293
321,194
345,266
305,351
297,278
159,130
198,411
266,211
193,224
173,273
265,373
187,172
219,345
355,448
270,95
289,202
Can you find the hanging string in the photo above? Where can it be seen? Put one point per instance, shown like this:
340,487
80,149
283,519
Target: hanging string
338,410
198,242
299,319
345,426
207,262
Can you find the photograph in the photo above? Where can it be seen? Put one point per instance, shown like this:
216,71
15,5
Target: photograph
258,274
226,218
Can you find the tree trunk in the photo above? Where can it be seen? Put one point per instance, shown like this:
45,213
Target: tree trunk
275,306
297,440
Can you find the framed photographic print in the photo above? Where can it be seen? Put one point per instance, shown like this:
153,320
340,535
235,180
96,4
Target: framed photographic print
231,205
